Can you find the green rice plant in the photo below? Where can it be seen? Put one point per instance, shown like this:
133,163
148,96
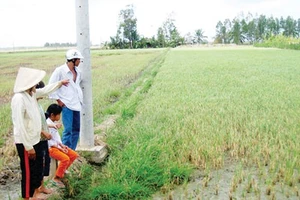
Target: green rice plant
187,109
117,74
114,95
6,123
197,110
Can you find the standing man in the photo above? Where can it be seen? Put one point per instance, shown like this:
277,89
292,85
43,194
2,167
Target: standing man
69,98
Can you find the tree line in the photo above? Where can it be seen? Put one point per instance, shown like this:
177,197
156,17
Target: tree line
252,30
56,44
247,29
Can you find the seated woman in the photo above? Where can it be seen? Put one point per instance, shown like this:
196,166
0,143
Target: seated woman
57,150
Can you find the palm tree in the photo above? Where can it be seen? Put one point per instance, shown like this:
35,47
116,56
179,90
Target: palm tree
200,37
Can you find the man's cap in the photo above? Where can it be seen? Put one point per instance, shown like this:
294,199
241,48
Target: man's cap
73,53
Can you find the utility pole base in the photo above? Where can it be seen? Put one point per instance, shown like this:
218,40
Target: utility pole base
96,154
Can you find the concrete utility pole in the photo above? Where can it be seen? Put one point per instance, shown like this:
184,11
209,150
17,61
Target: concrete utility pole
96,154
83,45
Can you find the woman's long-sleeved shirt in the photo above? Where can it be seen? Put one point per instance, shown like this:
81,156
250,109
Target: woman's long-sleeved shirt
26,117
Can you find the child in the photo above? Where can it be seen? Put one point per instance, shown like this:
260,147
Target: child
57,150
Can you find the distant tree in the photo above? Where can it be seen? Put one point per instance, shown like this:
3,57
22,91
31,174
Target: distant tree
200,38
290,27
236,34
222,32
278,28
127,35
171,34
282,22
128,25
189,38
116,42
113,44
161,40
142,43
249,29
271,28
153,43
261,28
169,27
220,29
298,28
56,44
145,42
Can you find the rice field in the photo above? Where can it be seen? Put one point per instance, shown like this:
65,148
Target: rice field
194,123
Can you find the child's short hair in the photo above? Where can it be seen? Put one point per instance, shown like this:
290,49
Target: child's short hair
53,109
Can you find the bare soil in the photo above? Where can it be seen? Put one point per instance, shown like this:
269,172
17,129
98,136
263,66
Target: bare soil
10,174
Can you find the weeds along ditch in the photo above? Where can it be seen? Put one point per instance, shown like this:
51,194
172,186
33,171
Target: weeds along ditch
187,110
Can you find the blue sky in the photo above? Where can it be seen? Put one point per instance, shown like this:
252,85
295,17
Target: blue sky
35,22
